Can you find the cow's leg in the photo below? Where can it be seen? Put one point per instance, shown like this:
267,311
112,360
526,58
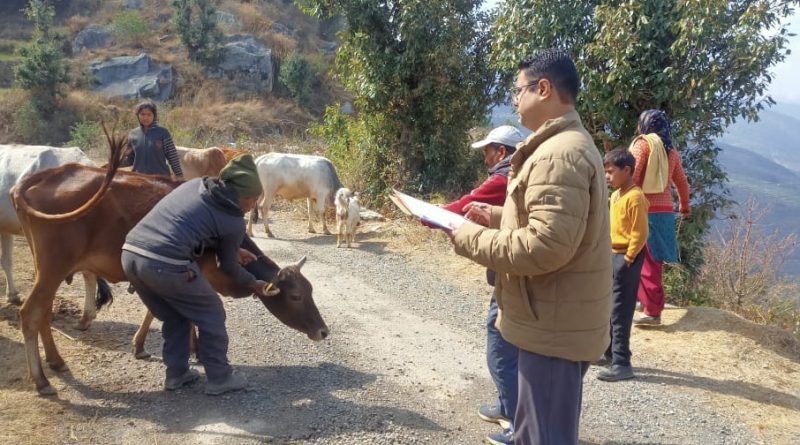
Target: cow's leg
141,336
339,231
265,203
253,219
51,355
193,341
310,224
7,241
321,213
34,317
89,302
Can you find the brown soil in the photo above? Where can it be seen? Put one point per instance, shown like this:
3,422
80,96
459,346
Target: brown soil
743,371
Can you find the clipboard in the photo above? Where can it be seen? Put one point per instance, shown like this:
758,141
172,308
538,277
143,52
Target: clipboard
425,211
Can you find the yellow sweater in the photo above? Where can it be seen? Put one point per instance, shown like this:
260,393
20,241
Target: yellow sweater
629,222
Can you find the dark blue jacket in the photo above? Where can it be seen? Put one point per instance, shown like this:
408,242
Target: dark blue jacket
200,214
150,150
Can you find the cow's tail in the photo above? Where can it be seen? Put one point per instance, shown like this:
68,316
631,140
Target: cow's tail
115,159
104,295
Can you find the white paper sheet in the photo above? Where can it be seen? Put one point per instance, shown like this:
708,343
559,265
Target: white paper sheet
427,212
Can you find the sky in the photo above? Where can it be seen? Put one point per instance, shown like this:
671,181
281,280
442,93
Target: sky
785,86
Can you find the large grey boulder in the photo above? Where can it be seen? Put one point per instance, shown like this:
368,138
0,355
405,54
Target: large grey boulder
133,77
91,37
246,62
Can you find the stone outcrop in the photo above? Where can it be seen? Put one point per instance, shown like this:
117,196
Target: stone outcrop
133,77
246,62
91,37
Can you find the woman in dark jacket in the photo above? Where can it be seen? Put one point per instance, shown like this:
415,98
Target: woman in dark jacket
150,147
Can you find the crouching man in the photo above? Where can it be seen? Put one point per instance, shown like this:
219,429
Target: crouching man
159,258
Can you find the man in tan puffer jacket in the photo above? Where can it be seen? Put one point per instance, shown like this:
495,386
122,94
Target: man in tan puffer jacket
550,246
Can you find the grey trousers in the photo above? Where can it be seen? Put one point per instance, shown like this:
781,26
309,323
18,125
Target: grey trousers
549,404
179,296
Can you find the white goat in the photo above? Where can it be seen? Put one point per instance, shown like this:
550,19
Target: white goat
347,216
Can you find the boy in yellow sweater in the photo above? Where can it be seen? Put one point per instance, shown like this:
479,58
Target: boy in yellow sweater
628,237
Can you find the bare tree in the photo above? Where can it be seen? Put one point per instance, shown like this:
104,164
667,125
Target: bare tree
744,260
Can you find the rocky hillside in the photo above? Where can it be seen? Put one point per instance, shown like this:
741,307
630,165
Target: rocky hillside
123,51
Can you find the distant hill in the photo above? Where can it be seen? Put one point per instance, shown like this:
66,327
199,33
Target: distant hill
776,136
762,160
772,185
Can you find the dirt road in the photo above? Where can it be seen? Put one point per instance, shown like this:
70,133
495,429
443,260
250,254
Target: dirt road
404,364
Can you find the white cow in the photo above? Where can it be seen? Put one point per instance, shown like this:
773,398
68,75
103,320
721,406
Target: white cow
296,176
17,162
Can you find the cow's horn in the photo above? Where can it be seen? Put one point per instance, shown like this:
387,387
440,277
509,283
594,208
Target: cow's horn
300,262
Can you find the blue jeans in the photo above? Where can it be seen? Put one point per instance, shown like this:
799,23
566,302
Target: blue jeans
179,296
502,356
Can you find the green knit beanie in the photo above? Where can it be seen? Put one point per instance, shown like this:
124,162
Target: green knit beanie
241,174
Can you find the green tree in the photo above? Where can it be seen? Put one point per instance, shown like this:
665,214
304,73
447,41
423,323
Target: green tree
421,79
196,24
298,75
43,69
705,63
130,27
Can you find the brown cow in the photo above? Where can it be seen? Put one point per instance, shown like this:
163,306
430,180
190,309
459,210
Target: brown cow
198,162
107,204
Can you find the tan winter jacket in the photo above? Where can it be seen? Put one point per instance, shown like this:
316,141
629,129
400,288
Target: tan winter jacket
552,252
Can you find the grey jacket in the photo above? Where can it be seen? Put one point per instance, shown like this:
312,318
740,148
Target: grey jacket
200,214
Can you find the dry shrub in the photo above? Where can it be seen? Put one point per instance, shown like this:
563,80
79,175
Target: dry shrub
253,18
280,44
743,269
189,81
206,122
76,24
11,100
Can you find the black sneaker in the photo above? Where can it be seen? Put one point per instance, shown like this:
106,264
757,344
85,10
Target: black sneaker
616,373
506,437
493,414
173,383
234,382
647,320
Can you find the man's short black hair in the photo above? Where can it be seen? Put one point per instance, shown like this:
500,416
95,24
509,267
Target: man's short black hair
557,67
620,158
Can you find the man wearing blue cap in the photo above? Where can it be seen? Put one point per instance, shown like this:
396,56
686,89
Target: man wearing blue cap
159,258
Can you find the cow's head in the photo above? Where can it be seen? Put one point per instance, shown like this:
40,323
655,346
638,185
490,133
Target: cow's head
291,301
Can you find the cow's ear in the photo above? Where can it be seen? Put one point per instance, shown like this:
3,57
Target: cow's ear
300,263
274,290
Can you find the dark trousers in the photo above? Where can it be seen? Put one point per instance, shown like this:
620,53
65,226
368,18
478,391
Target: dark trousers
625,287
550,396
179,296
501,356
